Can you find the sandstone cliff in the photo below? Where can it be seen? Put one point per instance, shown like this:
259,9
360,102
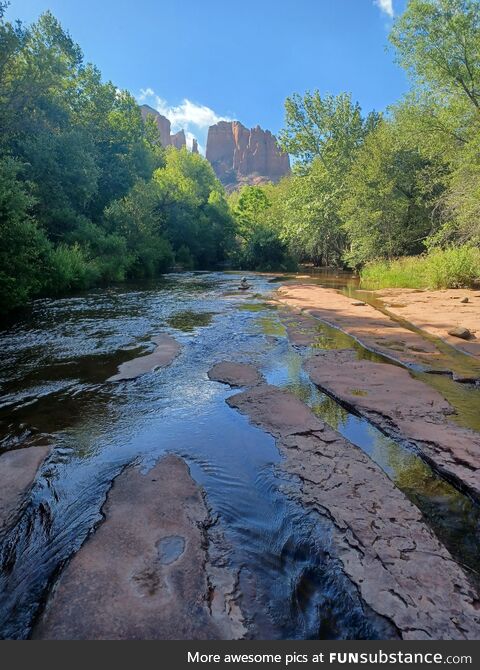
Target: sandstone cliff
242,156
164,128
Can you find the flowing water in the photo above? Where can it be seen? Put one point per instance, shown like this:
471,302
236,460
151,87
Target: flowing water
54,363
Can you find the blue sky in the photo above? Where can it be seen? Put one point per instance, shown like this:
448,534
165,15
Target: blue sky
198,61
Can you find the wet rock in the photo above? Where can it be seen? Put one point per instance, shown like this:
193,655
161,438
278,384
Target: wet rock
18,469
403,407
147,572
235,374
462,333
167,349
402,571
428,310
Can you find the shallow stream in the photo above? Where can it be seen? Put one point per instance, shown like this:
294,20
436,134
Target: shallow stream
54,361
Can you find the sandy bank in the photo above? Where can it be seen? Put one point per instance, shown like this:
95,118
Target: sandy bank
402,571
167,349
437,312
148,570
17,472
374,330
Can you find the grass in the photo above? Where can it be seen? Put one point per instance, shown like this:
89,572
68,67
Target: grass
455,267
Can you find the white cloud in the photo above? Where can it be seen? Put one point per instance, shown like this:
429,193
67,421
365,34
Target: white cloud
386,6
192,117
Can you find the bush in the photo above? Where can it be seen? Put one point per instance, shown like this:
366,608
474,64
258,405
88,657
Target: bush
70,270
454,267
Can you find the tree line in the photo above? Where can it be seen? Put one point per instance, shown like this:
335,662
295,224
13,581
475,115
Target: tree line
383,186
88,195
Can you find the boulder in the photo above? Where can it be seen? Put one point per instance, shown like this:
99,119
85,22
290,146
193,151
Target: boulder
462,333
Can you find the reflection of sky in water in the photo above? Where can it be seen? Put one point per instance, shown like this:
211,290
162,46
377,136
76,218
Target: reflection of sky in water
53,366
99,427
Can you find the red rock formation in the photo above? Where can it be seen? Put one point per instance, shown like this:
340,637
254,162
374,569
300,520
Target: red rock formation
240,156
178,140
163,124
194,146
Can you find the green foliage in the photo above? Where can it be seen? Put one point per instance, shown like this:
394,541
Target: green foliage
453,267
388,205
87,193
330,127
259,244
24,249
437,42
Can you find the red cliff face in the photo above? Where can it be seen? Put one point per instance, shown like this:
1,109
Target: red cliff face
241,156
178,140
164,126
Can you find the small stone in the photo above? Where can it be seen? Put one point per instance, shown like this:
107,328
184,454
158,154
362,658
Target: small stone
464,300
462,333
359,303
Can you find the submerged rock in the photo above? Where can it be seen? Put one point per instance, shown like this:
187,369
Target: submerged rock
167,349
18,469
147,571
235,374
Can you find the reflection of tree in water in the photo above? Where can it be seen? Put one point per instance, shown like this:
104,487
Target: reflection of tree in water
188,320
272,327
330,411
452,516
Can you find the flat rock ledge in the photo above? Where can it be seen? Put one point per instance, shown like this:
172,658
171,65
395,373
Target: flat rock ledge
400,568
376,331
150,571
235,374
166,351
18,470
404,408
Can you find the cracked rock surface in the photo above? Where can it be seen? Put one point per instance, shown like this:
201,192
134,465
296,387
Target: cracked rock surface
404,407
400,568
150,570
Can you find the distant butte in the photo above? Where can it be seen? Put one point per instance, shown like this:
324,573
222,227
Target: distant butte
241,156
238,155
164,127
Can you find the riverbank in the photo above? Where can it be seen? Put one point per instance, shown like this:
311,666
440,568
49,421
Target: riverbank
438,312
397,403
316,514
379,536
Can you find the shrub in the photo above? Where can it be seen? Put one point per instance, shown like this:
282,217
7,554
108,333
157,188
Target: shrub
453,267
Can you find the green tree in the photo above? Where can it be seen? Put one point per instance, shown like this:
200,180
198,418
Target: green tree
24,249
389,202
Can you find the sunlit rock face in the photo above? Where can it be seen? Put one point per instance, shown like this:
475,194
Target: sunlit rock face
164,127
242,156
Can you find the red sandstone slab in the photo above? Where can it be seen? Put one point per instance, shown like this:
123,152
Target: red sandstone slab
146,572
166,351
18,469
400,405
